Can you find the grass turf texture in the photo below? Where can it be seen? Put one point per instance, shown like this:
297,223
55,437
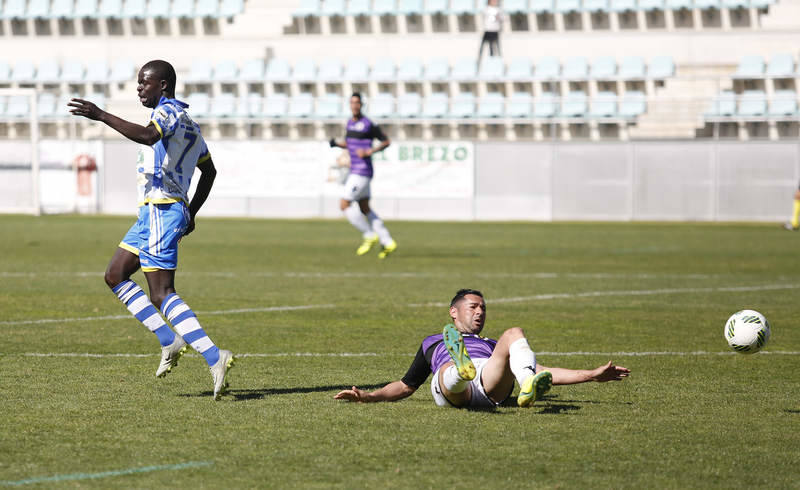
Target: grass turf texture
682,420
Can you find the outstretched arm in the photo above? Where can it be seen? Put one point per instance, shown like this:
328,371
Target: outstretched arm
334,143
606,372
396,390
207,175
145,135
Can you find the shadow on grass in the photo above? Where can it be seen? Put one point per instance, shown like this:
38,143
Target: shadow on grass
261,393
789,410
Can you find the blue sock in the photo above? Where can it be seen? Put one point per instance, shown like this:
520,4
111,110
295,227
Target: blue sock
185,322
140,306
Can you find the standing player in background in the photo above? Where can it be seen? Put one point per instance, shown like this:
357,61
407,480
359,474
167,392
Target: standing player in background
165,216
794,224
358,142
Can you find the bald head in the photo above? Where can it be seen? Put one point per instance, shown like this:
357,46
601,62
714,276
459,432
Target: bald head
162,71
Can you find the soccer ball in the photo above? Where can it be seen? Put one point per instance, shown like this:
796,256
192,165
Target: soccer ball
747,331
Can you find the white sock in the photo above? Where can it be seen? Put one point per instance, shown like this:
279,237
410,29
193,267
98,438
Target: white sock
380,228
522,360
357,219
452,381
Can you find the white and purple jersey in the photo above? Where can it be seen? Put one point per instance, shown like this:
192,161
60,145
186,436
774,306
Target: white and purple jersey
432,354
360,133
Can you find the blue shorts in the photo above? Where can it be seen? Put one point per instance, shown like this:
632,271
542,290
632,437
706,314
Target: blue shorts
154,237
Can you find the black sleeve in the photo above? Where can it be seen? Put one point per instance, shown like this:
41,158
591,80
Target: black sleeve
419,370
378,133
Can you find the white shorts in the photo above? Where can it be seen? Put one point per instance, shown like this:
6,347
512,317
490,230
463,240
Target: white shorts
356,187
479,397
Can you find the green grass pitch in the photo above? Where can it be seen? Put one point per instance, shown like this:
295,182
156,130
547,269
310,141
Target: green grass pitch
81,406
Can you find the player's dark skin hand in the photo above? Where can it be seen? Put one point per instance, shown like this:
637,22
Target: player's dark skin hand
86,109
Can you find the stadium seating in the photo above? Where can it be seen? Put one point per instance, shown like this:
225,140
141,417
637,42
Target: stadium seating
520,105
463,106
73,72
276,106
409,106
784,104
435,106
545,106
603,105
382,106
781,66
491,105
356,70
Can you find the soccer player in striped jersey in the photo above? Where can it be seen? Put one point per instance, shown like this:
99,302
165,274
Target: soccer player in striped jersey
358,142
477,372
165,216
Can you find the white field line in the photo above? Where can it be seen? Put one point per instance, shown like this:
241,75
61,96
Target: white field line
633,292
397,354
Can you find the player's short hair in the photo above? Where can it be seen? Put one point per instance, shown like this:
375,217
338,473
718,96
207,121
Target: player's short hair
463,292
163,71
356,94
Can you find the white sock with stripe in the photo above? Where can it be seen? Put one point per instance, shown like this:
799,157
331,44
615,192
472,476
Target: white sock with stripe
522,360
185,323
140,306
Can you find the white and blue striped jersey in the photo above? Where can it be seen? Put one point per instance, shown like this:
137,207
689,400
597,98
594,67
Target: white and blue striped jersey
164,175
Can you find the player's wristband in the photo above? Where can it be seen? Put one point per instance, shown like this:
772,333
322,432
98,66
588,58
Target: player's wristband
332,142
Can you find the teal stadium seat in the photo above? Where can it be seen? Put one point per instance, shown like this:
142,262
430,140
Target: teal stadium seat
382,106
18,107
411,7
436,7
520,70
308,8
199,105
39,9
332,8
753,103
492,69
384,7
46,105
301,106
410,69
513,7
62,9
547,68
231,8
463,106
603,68
182,9
781,65
761,4
492,105
437,70
223,106
706,4
122,71
62,111
356,70
86,9
603,105
724,104
679,4
520,105
736,4
567,6
5,72
357,8
249,106
750,67
542,6
278,70
784,104
462,7
96,72
158,9
595,5
634,104
3,101
435,106
661,67
97,98
651,5
575,68
632,68
134,9
622,6
14,9
200,71
384,70
72,72
207,9
330,70
253,71
226,71
305,70
110,9
329,107
23,72
49,72
545,106
574,104
464,70
276,106
409,105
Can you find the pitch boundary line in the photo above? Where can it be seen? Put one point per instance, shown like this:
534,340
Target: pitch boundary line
106,474
397,354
